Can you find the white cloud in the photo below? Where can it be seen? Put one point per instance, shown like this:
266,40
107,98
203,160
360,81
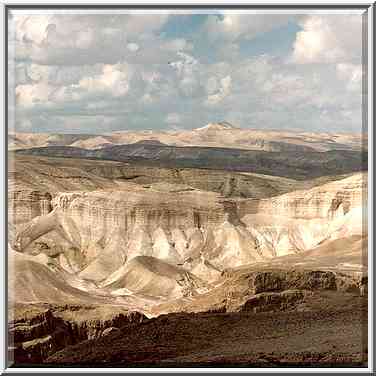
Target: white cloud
329,39
29,95
31,28
173,118
85,38
211,85
147,98
113,80
351,74
75,69
38,72
188,74
224,90
133,47
185,65
76,39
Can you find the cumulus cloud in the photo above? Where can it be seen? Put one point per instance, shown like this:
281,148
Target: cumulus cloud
352,74
133,47
108,72
30,95
31,29
224,90
188,74
113,80
75,39
328,39
185,65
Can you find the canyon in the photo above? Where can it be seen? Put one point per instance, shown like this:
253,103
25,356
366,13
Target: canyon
101,248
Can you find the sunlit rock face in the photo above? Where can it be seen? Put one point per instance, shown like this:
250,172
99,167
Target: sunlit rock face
153,243
326,201
303,219
102,230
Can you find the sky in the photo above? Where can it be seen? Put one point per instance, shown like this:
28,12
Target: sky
99,72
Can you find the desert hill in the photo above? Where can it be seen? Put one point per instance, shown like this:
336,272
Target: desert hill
221,134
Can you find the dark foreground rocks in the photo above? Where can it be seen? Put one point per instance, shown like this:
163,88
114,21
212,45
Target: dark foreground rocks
37,331
318,329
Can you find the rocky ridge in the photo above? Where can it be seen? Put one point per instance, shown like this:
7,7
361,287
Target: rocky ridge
221,134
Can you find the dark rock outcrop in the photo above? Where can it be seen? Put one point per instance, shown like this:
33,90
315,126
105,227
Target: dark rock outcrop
39,332
274,301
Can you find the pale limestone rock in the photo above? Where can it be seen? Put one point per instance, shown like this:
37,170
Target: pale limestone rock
96,238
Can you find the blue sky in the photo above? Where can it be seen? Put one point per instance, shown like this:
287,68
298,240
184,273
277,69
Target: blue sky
96,73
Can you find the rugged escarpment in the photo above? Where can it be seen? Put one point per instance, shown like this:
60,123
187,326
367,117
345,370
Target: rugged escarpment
37,331
98,244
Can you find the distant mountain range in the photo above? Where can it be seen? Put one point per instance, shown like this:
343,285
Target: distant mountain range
221,134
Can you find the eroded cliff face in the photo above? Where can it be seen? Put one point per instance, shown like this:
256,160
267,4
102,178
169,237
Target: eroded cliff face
104,242
128,223
326,201
302,220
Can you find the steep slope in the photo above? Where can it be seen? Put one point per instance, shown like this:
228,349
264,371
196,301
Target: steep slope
32,281
96,235
301,220
152,277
